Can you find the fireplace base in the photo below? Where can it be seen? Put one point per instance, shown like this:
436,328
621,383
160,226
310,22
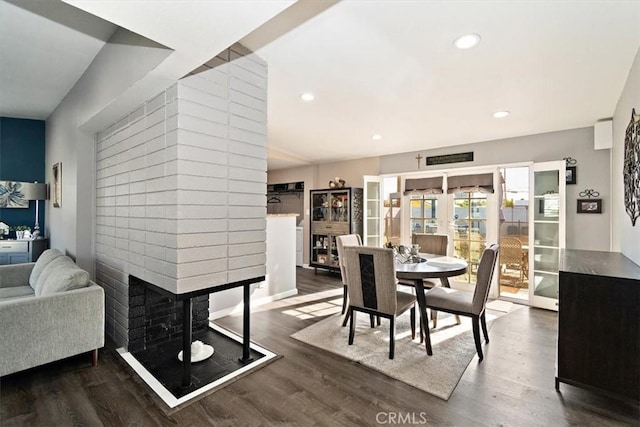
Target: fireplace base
162,371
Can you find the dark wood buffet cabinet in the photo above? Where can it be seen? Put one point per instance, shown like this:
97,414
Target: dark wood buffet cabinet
599,323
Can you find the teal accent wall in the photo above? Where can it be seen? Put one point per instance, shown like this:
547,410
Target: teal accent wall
22,150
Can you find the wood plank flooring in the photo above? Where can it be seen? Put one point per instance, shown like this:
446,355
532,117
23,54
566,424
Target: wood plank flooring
513,386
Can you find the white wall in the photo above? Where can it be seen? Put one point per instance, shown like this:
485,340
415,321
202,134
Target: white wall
583,231
590,232
625,238
318,177
280,281
123,59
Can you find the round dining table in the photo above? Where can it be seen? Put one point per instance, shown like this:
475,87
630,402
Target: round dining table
429,267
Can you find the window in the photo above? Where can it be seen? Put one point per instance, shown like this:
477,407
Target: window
423,216
470,229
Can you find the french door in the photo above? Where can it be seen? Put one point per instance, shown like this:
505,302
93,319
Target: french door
547,217
372,221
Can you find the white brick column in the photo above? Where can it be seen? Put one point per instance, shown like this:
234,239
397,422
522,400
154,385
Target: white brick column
181,184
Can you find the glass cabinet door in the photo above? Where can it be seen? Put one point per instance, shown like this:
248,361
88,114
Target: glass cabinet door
339,206
321,253
547,215
319,207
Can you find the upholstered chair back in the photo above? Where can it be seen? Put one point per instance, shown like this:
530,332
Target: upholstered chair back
371,278
431,243
485,274
341,242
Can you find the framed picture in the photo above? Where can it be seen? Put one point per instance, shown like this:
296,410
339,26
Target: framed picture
12,195
589,205
57,185
571,175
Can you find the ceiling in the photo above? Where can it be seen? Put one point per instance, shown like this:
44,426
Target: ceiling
385,67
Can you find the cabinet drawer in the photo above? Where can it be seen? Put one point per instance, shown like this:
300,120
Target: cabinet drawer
336,228
13,246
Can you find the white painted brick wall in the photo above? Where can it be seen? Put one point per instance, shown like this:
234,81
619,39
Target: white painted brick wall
181,185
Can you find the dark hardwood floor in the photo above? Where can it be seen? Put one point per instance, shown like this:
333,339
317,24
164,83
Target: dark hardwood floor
513,386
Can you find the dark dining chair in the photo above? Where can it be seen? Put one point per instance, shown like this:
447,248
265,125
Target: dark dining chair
431,244
371,279
465,303
341,242
437,244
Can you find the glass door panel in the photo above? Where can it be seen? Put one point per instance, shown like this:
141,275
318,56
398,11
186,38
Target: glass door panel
514,233
548,221
469,231
372,220
319,207
424,214
320,252
392,218
339,206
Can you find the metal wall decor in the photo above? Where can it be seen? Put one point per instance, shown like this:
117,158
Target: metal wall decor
631,168
591,204
571,170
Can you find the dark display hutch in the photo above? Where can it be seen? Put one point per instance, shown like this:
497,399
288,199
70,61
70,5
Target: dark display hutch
334,212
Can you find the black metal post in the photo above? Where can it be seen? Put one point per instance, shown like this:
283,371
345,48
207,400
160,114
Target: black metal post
186,342
246,326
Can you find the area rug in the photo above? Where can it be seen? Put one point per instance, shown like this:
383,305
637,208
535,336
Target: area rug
453,349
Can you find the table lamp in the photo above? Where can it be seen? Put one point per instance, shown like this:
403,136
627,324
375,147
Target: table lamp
37,192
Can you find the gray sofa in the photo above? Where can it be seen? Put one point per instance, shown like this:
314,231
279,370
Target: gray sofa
49,310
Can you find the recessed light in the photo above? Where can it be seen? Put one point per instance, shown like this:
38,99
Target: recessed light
467,41
500,114
307,97
376,137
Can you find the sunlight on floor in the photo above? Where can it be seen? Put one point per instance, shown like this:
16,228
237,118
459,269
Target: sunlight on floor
320,309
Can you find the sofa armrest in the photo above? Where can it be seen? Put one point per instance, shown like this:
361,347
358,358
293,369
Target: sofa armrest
38,330
15,274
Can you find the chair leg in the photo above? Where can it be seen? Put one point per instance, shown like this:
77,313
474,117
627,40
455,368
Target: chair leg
434,317
344,298
475,321
346,318
372,320
412,315
378,320
352,324
392,337
483,323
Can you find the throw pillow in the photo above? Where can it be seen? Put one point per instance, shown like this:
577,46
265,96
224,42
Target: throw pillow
47,271
45,258
65,276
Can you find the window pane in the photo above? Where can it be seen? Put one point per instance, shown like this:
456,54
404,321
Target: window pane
417,226
478,208
416,208
430,208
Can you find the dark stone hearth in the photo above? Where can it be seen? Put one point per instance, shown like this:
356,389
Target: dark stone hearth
155,318
162,362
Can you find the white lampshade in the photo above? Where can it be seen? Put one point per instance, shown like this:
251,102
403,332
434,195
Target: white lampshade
34,191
